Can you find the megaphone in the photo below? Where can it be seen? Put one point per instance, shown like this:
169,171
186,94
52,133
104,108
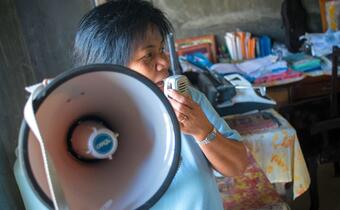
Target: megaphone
111,134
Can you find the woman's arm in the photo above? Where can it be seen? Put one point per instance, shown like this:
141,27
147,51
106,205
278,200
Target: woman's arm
225,155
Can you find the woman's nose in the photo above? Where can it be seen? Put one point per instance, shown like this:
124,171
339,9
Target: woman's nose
162,62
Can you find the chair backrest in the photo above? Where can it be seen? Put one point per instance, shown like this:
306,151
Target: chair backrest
333,121
334,95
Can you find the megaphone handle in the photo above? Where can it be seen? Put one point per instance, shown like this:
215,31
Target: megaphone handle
57,194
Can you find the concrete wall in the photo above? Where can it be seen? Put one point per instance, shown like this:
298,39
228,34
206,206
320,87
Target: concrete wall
198,17
35,42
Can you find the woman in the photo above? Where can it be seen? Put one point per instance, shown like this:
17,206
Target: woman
132,33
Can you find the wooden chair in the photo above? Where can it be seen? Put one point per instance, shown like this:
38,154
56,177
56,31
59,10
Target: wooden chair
318,125
328,129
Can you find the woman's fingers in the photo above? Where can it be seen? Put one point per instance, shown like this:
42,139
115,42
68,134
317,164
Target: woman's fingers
181,119
182,99
189,114
179,107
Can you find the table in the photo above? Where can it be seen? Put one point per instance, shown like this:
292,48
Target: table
278,153
312,85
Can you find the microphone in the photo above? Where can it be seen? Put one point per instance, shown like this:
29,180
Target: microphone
177,81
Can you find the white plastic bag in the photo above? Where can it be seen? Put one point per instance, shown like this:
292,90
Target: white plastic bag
322,43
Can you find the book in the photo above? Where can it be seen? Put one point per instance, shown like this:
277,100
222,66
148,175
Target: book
253,123
242,39
231,44
303,63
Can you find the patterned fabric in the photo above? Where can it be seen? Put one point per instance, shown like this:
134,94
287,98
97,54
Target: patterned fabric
251,190
278,153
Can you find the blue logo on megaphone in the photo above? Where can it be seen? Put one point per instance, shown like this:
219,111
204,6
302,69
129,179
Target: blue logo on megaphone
103,143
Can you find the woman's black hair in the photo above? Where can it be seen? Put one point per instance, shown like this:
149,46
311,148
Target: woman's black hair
109,32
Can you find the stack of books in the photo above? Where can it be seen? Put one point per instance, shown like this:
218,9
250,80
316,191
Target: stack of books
302,62
242,46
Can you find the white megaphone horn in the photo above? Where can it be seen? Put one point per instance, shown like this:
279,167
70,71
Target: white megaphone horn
111,138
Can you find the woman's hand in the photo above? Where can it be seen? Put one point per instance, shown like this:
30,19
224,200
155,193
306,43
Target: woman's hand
190,115
226,156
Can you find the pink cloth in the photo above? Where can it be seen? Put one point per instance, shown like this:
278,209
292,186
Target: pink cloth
272,79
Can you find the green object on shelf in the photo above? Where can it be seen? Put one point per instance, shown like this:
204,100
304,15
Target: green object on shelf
302,62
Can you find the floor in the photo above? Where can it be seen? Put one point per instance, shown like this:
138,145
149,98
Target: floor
329,191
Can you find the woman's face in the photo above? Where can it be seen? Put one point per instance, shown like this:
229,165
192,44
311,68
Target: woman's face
149,58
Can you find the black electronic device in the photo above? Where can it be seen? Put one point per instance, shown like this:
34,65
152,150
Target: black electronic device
215,87
232,94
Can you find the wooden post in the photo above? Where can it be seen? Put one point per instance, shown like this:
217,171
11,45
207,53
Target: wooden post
322,4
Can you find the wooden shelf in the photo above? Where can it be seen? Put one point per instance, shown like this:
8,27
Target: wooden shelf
307,88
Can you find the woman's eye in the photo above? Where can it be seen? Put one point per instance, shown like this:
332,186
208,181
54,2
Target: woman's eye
148,57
